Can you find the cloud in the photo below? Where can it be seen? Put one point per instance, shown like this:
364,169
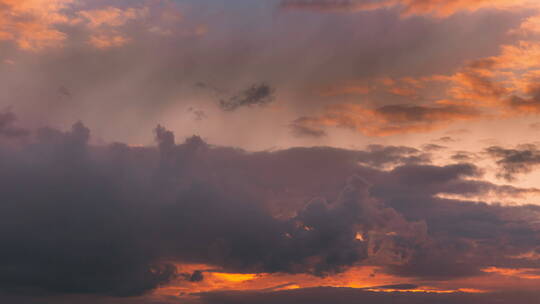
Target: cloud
8,126
106,41
37,25
435,8
114,220
500,86
345,90
111,16
512,162
529,103
105,220
350,295
307,127
32,24
256,95
385,120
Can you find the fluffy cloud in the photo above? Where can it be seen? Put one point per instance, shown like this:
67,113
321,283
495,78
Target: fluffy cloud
113,220
31,24
36,25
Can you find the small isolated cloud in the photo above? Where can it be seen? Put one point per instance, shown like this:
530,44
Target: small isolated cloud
512,162
256,95
197,114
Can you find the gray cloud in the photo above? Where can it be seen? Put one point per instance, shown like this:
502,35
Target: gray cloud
256,95
325,295
78,218
512,162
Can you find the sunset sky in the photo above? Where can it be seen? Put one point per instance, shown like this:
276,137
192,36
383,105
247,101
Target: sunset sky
270,151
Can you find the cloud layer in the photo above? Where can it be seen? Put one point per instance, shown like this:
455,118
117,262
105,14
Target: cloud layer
114,219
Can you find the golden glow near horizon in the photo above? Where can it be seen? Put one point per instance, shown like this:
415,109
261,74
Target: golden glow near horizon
362,277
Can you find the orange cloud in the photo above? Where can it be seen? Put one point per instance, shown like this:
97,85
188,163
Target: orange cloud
31,23
387,120
530,26
111,16
356,277
444,8
370,278
499,86
436,8
106,41
34,24
401,91
522,273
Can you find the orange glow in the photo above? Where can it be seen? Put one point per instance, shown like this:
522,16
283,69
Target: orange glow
361,277
234,277
31,23
377,122
513,272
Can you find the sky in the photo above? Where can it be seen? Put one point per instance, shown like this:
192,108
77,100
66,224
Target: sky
270,151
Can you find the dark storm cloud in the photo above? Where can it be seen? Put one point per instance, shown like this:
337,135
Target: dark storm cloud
512,162
77,218
104,219
324,295
256,95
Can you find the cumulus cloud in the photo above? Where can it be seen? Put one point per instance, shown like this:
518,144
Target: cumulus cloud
113,219
106,220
